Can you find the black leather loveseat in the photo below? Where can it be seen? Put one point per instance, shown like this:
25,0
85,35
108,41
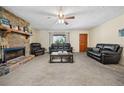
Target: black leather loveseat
60,47
36,49
106,53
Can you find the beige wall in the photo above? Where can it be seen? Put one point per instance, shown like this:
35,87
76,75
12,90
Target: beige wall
43,38
74,39
108,33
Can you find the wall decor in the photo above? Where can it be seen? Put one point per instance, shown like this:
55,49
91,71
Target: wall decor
121,32
4,22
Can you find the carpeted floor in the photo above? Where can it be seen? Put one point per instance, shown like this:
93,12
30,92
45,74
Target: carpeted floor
84,71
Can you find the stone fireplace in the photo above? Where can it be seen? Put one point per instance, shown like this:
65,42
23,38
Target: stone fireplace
15,40
15,44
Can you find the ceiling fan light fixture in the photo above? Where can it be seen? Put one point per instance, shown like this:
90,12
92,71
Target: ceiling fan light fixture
57,13
61,21
60,14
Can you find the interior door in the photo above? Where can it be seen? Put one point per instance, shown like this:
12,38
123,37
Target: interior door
83,42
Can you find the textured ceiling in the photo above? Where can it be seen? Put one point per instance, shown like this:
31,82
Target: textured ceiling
86,17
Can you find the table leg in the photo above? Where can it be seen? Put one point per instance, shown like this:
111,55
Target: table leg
72,58
61,58
50,58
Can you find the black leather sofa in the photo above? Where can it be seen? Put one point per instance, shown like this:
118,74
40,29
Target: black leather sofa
60,47
106,53
36,49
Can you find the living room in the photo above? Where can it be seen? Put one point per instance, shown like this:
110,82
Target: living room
98,34
39,35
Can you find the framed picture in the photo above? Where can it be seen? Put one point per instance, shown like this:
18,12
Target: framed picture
121,32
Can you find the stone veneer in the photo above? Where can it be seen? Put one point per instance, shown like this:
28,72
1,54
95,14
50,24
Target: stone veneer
12,40
14,20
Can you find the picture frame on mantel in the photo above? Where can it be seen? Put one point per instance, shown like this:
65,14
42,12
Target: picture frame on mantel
121,32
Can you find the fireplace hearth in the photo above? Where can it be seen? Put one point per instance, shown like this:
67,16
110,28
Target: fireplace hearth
11,53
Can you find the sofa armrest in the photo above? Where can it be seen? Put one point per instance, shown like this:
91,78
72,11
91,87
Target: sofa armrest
49,48
71,48
32,50
43,48
90,48
110,57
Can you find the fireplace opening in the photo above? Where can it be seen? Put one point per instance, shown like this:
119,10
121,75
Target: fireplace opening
11,53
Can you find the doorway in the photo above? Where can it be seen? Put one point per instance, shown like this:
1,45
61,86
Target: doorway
83,42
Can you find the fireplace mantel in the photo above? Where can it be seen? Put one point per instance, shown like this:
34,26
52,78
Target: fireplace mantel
5,31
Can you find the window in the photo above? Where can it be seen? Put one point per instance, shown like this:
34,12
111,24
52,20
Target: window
59,39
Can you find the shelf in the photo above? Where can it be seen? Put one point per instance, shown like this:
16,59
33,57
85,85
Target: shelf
9,30
20,32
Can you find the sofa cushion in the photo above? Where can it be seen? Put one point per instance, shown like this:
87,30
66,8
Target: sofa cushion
35,45
111,47
96,49
107,52
60,46
99,46
39,50
95,53
67,45
54,46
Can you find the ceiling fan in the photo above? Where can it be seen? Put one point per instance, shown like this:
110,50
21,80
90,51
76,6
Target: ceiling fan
62,19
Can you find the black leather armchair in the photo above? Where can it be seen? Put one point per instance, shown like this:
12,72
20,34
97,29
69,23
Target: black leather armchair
106,53
36,49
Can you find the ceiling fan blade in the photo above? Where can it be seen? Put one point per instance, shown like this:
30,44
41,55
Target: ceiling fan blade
66,23
70,17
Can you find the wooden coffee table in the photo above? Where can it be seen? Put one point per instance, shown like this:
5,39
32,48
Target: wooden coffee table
61,57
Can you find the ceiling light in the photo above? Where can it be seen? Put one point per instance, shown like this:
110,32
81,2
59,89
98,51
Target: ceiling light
60,14
61,21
